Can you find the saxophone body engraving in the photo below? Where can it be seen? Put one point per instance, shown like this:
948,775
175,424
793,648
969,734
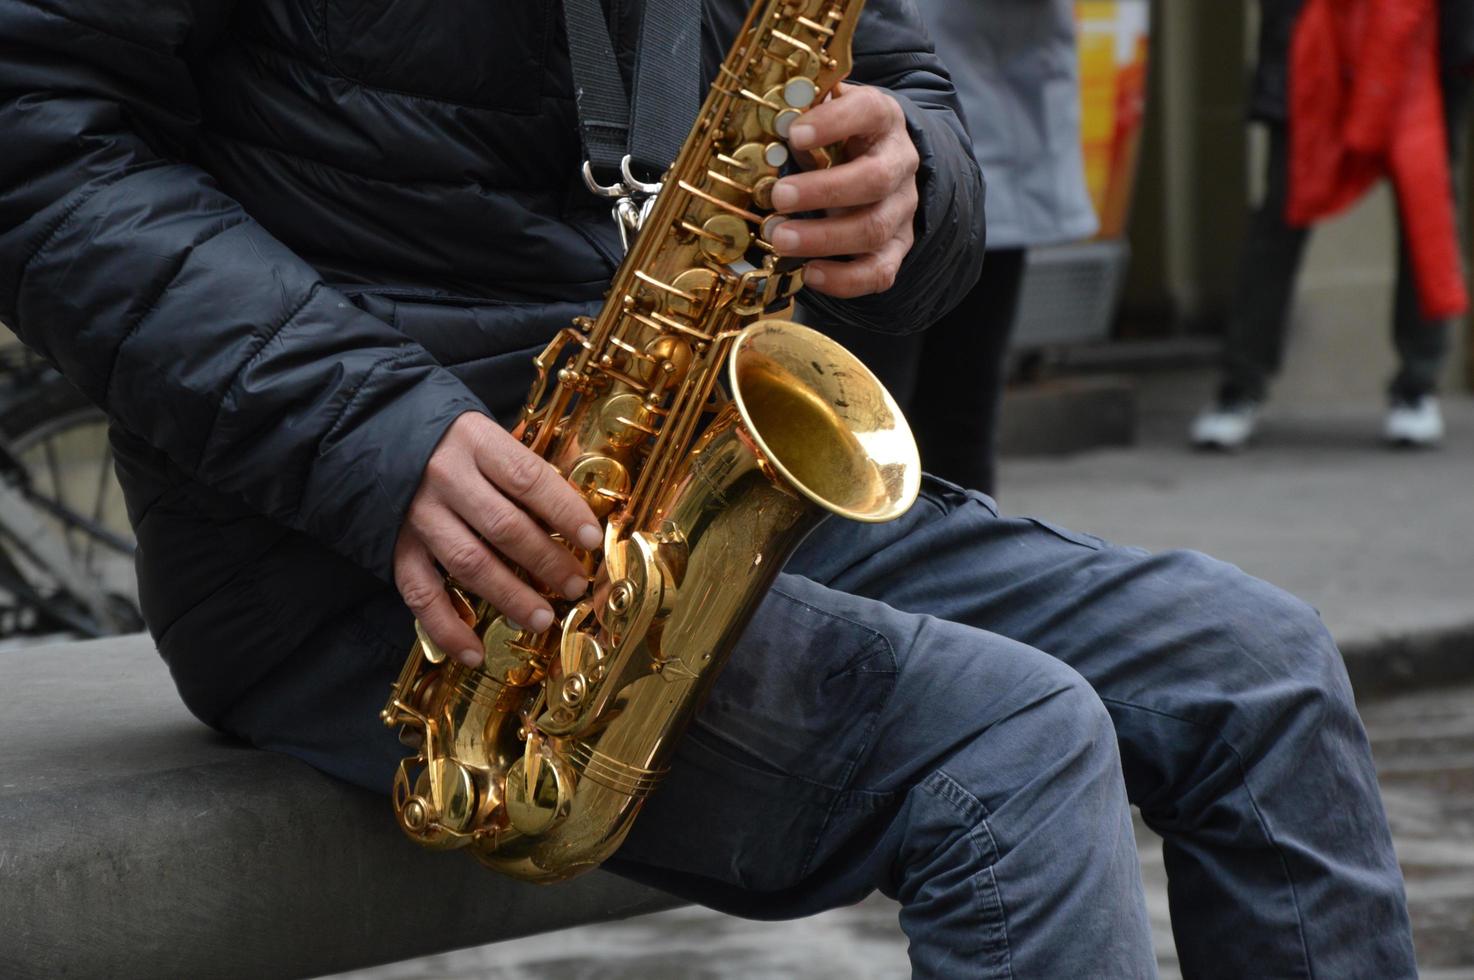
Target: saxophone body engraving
539,760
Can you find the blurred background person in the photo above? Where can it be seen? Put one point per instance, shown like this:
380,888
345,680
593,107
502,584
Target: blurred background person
1017,74
1351,91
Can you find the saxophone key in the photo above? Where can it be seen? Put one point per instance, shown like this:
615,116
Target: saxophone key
747,160
800,93
510,662
581,654
762,193
600,479
670,355
802,8
771,224
727,238
695,287
623,422
816,27
775,113
783,122
573,689
539,790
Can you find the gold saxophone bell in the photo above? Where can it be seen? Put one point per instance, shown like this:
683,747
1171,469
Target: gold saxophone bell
539,760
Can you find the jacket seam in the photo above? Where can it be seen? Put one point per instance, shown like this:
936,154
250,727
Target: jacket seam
247,361
157,297
96,29
381,364
301,158
48,238
333,70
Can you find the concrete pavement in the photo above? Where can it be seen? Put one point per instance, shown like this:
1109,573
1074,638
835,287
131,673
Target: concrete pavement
1380,541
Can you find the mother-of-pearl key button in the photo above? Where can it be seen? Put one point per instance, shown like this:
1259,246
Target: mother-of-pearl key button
775,155
784,121
800,92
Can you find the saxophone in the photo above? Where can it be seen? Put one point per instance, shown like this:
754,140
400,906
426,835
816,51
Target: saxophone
539,760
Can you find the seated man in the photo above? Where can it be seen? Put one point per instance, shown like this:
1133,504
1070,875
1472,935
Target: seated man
303,253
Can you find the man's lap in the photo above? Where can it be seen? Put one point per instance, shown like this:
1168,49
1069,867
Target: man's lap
813,658
859,607
881,649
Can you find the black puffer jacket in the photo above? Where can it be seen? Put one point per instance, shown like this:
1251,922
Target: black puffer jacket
285,242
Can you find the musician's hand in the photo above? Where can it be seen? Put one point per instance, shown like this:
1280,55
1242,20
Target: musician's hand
476,513
870,199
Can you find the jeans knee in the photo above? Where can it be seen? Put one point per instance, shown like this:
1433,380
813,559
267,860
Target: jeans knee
1286,663
1075,737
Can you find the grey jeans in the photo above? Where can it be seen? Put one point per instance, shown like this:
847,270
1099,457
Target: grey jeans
955,709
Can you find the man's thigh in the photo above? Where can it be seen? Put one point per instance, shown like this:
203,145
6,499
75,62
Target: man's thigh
1185,650
832,708
1237,728
795,790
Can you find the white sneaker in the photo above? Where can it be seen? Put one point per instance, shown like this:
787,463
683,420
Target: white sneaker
1225,426
1414,423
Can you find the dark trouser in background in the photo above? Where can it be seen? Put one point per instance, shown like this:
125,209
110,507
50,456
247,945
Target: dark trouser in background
1255,338
954,708
949,379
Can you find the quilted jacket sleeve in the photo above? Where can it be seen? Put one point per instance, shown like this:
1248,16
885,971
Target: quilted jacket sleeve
892,51
170,307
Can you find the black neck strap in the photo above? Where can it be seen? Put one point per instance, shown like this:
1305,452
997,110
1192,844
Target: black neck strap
651,128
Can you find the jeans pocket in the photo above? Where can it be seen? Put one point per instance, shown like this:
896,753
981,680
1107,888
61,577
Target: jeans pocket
756,778
729,817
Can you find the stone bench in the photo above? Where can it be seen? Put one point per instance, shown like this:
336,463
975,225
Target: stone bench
134,842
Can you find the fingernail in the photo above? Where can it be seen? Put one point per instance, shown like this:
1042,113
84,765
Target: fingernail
541,620
814,276
785,196
471,658
590,537
785,239
800,136
575,586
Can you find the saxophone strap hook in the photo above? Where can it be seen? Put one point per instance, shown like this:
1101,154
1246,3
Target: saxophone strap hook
637,185
610,191
633,199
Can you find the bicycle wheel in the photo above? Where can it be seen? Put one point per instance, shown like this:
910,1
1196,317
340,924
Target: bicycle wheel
60,441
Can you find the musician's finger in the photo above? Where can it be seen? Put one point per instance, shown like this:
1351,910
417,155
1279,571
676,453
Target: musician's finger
472,563
516,536
871,177
856,232
873,273
533,482
423,590
858,111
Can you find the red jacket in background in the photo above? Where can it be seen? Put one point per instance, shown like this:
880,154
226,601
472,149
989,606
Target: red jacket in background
1365,103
